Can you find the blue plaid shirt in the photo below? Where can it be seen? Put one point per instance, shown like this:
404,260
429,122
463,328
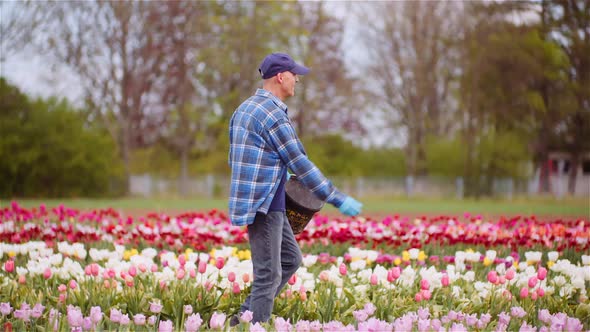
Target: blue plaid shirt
263,145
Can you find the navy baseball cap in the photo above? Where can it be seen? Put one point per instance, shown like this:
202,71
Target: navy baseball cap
280,62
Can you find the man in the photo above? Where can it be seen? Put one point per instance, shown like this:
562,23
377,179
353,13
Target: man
263,146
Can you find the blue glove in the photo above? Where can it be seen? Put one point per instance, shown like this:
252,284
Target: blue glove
350,207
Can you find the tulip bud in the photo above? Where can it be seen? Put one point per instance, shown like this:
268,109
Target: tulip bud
292,280
533,281
246,278
47,273
236,288
202,267
445,280
220,263
9,266
493,277
424,284
231,277
510,274
374,279
343,269
132,271
542,273
524,292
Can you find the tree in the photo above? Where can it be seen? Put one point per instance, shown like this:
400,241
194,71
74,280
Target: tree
328,100
505,68
118,53
568,25
47,150
411,69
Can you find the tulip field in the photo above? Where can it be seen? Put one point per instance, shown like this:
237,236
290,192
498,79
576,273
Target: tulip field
64,269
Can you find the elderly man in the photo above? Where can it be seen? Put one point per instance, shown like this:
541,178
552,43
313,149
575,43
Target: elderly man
263,146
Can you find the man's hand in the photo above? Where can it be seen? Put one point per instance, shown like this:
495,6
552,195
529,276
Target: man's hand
351,207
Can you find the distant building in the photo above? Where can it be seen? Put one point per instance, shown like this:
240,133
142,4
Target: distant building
553,175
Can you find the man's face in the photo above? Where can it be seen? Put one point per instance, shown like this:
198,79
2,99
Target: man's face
288,81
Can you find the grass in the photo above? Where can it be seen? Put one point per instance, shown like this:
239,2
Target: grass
540,206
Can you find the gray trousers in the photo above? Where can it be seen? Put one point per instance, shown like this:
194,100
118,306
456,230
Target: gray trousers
276,256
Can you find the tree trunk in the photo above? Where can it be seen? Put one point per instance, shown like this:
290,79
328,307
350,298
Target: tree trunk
183,184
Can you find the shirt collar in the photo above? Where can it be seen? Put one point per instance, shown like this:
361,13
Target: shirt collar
268,94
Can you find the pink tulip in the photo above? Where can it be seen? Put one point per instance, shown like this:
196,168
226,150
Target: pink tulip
246,278
445,280
236,288
47,273
180,274
129,281
426,295
142,268
219,263
533,281
540,292
181,260
303,296
510,274
231,277
342,269
217,321
22,279
246,316
139,319
418,297
493,277
374,279
292,280
534,296
132,271
502,280
524,292
88,270
154,268
9,266
73,284
155,307
192,273
542,273
202,267
424,284
94,269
